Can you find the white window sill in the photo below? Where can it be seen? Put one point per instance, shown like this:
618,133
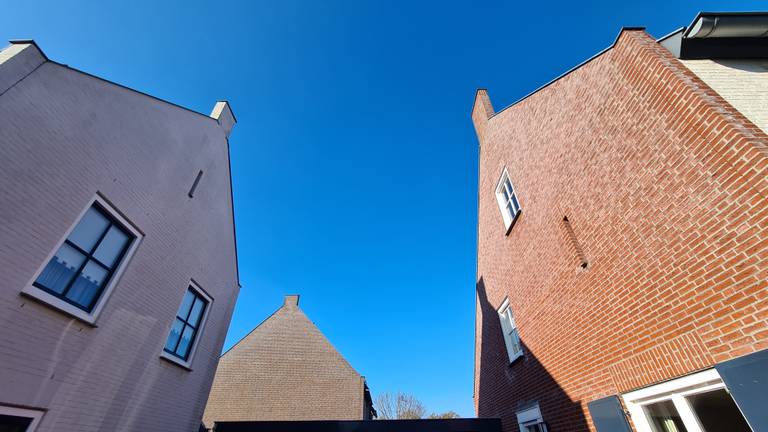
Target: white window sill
177,361
512,222
60,305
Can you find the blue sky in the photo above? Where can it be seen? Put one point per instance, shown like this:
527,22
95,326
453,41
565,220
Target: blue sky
354,160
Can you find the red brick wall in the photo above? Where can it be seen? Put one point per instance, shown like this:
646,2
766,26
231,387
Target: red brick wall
665,187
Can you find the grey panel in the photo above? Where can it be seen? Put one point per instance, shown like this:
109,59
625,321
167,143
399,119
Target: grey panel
747,381
608,415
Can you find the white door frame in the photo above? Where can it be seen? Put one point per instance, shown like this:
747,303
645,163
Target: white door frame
676,391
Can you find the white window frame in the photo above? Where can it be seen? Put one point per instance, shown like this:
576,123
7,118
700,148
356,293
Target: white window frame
530,416
72,310
187,364
35,415
502,202
510,332
676,391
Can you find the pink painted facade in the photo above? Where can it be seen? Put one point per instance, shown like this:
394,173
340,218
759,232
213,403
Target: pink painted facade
69,138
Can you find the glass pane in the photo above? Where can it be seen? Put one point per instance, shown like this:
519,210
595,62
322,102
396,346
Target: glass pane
89,229
87,285
515,342
186,340
505,194
663,417
9,423
173,336
112,246
510,318
189,297
60,270
717,412
197,312
511,210
517,204
508,185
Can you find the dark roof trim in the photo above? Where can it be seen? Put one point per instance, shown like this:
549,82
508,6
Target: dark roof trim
232,207
623,29
670,34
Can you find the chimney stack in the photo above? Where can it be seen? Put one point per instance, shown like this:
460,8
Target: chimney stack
223,114
292,300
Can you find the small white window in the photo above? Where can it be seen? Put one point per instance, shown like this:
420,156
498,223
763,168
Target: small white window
508,327
530,420
507,199
19,419
695,403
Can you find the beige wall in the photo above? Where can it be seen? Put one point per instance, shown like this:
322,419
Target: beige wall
742,83
285,369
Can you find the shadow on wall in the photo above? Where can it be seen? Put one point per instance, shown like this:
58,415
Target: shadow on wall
505,388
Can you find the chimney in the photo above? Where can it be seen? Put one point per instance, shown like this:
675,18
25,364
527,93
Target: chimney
482,111
17,61
223,114
291,300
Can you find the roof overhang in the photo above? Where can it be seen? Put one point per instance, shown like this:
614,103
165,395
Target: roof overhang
721,35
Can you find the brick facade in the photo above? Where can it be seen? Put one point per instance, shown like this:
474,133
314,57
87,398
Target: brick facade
664,186
67,136
285,369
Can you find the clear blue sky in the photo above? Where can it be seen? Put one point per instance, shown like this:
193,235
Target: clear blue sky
354,161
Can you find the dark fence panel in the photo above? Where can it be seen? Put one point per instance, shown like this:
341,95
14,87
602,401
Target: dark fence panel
426,425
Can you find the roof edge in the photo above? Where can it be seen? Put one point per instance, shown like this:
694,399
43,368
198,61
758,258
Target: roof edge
578,66
29,42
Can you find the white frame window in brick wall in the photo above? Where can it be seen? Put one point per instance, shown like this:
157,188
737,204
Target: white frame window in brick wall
27,418
187,326
506,197
81,272
675,402
509,329
530,420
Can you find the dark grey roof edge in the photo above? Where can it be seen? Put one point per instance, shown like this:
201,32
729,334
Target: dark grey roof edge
670,34
709,13
564,74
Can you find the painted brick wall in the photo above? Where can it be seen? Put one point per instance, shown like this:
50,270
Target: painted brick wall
65,136
665,187
285,369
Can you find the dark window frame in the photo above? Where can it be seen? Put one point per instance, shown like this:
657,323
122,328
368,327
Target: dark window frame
89,257
185,323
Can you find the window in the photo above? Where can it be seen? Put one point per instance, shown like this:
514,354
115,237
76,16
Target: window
695,403
87,262
507,199
508,327
530,420
186,326
19,420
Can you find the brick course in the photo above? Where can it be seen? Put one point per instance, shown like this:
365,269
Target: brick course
664,185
